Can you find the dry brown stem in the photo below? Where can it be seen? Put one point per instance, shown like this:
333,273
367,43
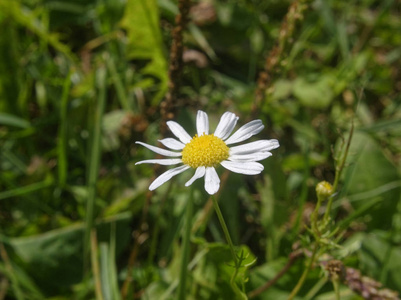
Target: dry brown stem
273,60
167,108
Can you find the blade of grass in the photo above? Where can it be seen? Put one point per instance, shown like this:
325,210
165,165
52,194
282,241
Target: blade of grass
113,269
27,18
95,265
108,271
10,271
115,77
94,155
303,196
26,189
105,271
185,249
11,120
62,134
13,159
267,218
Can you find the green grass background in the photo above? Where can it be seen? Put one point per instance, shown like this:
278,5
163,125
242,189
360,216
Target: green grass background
82,80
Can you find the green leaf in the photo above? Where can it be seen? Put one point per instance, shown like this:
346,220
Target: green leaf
371,177
111,124
57,254
381,260
316,94
11,120
141,21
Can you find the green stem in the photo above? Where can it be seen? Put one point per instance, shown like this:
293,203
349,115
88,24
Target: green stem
339,170
115,77
185,250
315,289
62,161
336,289
237,262
225,229
301,280
94,155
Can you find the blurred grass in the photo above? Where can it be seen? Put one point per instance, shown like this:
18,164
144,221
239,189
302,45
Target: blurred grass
80,81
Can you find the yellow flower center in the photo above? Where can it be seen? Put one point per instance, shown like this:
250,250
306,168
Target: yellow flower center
205,150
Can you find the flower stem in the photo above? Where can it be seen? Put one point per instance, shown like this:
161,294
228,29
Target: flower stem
336,289
237,261
304,275
185,250
339,170
225,229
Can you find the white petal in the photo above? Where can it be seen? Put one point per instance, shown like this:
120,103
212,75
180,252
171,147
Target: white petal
245,132
172,143
164,162
247,168
199,173
226,125
179,132
202,123
159,150
250,157
212,181
166,176
254,147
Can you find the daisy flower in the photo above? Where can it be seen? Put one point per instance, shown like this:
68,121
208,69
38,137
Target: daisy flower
204,152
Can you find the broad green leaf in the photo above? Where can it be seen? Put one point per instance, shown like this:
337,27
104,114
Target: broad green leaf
141,21
315,94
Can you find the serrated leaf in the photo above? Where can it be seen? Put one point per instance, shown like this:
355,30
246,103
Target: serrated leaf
141,21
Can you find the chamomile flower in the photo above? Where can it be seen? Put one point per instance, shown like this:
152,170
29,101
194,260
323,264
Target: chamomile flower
204,152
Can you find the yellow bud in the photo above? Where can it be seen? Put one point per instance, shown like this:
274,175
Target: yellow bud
324,189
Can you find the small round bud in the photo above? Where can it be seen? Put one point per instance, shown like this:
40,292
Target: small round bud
324,189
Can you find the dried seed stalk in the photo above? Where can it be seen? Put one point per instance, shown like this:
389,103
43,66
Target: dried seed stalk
294,14
176,63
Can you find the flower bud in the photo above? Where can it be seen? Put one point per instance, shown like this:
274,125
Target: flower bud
324,190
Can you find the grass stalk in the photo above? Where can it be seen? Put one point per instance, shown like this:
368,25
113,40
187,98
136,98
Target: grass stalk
301,280
94,156
8,265
112,261
185,249
118,83
26,189
62,162
95,265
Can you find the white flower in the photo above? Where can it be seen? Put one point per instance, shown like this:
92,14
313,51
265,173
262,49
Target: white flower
205,151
